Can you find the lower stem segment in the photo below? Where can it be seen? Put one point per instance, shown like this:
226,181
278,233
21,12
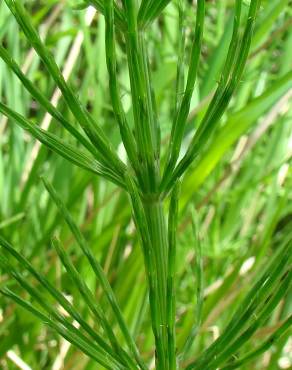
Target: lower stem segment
159,251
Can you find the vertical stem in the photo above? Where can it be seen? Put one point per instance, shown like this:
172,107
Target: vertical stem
159,244
146,132
147,136
143,225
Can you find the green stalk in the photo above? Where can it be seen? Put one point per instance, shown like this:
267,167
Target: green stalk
150,267
148,144
144,115
153,272
158,238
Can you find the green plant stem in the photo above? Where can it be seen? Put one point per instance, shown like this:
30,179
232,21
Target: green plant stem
142,99
150,267
158,238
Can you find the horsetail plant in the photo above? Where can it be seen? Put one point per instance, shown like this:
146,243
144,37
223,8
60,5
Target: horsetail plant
151,176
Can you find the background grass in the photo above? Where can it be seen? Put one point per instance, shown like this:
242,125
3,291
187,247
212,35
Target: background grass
239,187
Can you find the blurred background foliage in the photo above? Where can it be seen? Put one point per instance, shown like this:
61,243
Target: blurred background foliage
240,185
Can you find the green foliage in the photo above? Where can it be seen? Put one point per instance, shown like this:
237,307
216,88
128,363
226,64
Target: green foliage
163,211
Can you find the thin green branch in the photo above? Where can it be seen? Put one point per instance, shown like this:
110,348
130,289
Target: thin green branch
179,123
43,101
68,307
144,115
93,131
89,299
267,308
181,48
96,267
222,97
126,133
149,10
272,339
119,17
70,335
69,152
249,306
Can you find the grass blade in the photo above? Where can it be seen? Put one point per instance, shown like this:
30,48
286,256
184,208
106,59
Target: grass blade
237,124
